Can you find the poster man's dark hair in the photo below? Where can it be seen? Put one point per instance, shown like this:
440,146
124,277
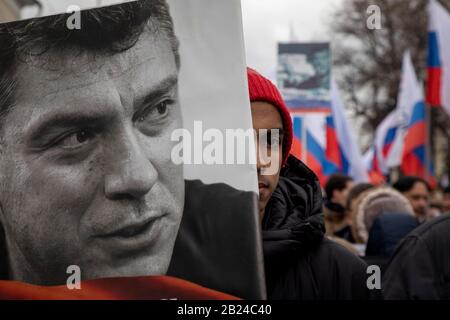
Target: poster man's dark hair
105,30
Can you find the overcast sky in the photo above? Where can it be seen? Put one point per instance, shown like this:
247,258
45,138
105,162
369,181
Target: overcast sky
265,23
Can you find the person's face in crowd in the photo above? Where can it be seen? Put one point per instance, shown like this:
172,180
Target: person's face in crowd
87,177
266,116
419,197
340,196
446,203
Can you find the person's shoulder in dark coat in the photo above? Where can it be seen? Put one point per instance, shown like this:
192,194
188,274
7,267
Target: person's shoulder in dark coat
327,271
420,267
340,274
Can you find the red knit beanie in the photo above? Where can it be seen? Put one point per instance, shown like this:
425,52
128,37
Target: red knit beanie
262,89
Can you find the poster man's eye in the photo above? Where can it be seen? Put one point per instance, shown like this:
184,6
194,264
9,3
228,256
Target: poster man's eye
156,112
75,139
162,108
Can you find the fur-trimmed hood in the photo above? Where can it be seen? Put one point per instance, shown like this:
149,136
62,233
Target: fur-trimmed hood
374,203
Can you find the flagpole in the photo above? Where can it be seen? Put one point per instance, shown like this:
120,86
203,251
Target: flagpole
428,139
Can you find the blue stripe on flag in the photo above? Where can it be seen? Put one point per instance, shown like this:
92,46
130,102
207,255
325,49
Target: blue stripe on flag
390,135
329,168
297,124
434,59
315,148
420,153
419,113
330,122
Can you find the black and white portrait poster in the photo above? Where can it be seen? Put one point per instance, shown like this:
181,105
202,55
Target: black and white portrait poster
126,144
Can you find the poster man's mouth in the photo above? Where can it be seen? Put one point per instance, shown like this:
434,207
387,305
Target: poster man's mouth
134,237
130,231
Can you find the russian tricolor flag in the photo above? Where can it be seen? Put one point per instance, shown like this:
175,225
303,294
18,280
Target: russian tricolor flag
335,160
389,140
343,154
310,141
438,84
401,139
386,137
331,145
415,159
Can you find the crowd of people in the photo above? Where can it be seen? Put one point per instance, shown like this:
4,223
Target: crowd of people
385,226
363,216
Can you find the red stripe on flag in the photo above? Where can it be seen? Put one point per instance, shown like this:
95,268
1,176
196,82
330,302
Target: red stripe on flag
412,166
434,85
332,151
415,137
386,149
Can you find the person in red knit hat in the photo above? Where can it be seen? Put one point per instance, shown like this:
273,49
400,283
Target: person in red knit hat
300,263
261,91
269,113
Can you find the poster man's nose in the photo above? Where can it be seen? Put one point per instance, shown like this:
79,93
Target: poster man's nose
132,174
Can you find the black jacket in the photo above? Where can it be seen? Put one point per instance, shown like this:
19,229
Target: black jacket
219,241
300,263
420,267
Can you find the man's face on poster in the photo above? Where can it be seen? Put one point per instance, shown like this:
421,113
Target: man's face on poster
87,177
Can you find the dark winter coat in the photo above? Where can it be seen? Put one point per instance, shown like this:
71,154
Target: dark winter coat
300,263
420,267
